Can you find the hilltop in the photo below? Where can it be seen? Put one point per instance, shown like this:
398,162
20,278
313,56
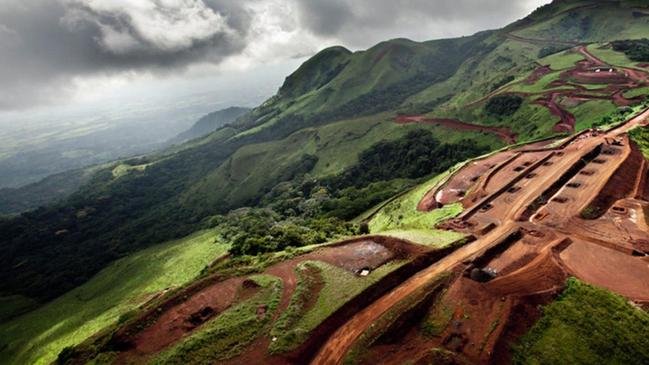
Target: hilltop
416,201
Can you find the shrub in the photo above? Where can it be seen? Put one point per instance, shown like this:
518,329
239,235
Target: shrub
587,325
636,50
503,105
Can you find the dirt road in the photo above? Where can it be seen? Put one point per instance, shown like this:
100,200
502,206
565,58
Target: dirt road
558,167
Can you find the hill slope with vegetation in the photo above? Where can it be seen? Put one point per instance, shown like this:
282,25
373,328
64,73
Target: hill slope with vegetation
170,195
348,131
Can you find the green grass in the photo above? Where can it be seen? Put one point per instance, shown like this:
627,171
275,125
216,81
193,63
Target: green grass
13,305
539,86
427,237
562,60
608,55
339,287
124,169
607,22
230,332
587,325
641,91
640,136
402,214
591,112
38,337
337,146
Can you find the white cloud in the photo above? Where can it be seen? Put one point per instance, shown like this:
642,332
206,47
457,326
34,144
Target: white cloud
48,47
165,25
275,34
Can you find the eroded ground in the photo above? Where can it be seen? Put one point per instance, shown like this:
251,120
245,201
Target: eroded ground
541,215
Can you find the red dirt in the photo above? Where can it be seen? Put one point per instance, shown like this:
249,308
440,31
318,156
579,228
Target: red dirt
187,310
525,312
610,269
175,323
594,61
623,181
556,243
460,183
356,256
567,120
538,74
504,133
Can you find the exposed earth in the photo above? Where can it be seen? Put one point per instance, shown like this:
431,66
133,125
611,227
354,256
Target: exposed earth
533,216
539,215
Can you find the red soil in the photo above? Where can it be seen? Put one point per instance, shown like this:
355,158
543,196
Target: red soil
186,311
525,312
567,120
538,74
623,181
543,274
490,315
624,274
173,324
458,184
594,61
504,133
592,77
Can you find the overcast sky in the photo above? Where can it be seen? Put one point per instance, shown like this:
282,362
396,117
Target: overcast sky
56,53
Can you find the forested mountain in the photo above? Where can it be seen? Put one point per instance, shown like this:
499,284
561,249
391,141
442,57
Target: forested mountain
349,145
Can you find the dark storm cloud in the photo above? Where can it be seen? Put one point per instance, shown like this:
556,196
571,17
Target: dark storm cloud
356,21
46,43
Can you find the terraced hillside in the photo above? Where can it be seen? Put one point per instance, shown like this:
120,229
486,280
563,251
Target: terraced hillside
533,216
415,202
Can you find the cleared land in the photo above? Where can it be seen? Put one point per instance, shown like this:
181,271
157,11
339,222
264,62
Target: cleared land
536,216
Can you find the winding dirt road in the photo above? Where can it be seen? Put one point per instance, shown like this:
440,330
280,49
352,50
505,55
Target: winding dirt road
506,209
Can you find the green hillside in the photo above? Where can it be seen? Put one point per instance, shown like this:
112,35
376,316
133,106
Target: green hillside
313,157
578,327
210,123
170,199
38,337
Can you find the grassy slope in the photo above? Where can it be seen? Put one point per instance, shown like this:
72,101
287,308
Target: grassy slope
605,21
396,63
591,112
38,337
230,332
337,146
472,81
339,286
641,91
641,137
562,60
477,78
587,325
400,218
14,305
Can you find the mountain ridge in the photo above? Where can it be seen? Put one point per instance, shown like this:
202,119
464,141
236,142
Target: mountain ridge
292,166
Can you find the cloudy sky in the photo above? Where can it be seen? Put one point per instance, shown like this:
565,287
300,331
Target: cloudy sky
57,53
